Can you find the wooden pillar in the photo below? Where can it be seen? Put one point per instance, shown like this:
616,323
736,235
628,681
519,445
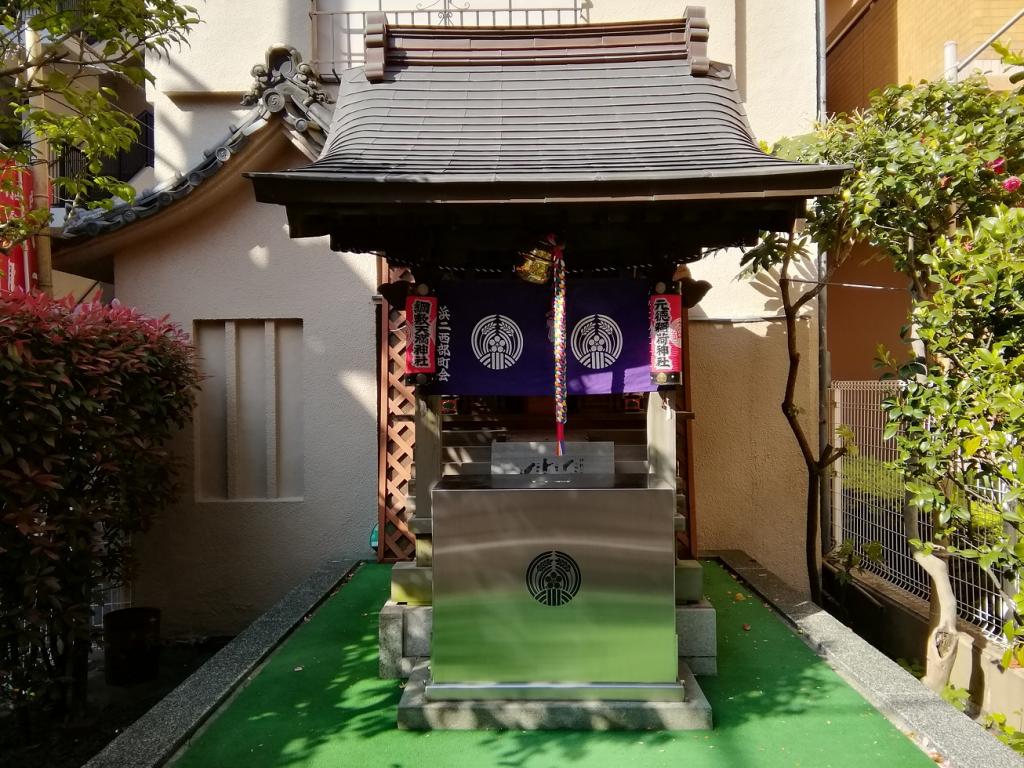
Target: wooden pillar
686,429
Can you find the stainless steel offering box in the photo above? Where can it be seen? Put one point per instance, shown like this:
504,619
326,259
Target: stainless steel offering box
554,587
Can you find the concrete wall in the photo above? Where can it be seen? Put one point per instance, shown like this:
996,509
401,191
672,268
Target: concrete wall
213,565
749,476
897,624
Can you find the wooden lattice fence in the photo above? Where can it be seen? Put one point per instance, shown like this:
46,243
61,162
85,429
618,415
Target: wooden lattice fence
397,431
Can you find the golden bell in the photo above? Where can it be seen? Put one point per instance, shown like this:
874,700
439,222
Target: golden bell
536,266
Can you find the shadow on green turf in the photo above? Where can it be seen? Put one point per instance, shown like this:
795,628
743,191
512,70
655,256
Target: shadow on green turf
318,702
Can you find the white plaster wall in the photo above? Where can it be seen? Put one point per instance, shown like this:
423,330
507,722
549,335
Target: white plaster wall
214,565
187,125
231,37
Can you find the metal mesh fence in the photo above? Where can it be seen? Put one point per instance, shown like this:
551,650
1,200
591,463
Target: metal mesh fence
867,507
110,599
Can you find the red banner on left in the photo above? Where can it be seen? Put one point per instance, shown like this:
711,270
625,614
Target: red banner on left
421,334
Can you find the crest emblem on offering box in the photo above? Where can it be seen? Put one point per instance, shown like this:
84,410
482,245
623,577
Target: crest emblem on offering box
553,578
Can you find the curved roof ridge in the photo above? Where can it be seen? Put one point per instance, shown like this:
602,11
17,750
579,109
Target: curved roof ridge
390,46
283,86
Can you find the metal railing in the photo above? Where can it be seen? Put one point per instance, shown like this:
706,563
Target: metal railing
867,507
338,32
70,163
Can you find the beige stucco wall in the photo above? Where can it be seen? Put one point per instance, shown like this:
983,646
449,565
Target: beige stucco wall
749,476
214,565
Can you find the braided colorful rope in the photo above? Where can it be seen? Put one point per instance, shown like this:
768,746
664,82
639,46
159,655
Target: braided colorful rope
558,307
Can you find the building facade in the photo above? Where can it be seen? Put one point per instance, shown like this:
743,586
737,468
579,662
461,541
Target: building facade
872,44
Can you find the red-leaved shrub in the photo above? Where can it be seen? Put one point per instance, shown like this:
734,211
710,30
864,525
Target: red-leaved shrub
89,396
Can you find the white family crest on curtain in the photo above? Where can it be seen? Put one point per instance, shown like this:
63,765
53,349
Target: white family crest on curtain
597,341
497,342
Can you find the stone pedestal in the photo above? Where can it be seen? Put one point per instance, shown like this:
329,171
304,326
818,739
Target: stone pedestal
405,637
417,713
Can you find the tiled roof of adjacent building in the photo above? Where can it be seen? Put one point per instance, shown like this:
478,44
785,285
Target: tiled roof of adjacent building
284,87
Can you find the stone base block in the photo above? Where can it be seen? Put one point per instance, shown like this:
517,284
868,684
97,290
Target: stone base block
701,665
689,582
412,584
405,636
696,629
419,621
424,551
390,623
417,713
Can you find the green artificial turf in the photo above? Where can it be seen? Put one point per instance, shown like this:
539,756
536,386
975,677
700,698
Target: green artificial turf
318,702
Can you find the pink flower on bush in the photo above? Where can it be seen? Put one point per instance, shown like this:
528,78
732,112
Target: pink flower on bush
998,165
1011,184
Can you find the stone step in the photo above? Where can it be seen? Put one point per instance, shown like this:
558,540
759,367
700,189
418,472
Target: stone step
689,581
412,584
452,468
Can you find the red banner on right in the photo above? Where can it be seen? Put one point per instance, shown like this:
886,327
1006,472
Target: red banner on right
666,317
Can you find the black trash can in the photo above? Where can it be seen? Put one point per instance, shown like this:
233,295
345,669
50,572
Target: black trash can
131,645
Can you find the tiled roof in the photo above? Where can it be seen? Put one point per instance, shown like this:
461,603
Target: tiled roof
589,103
492,122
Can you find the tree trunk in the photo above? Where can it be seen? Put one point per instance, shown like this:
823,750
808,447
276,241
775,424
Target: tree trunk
811,542
80,648
940,651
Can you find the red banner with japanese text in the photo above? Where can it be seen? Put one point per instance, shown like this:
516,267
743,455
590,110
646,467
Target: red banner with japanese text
666,313
421,334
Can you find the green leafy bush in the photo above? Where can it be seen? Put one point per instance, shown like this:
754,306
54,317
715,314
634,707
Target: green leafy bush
90,396
1006,733
958,421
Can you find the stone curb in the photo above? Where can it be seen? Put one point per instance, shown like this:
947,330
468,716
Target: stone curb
931,722
154,738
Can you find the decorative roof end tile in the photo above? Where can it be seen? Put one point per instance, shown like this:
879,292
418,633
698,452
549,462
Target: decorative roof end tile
375,45
696,40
